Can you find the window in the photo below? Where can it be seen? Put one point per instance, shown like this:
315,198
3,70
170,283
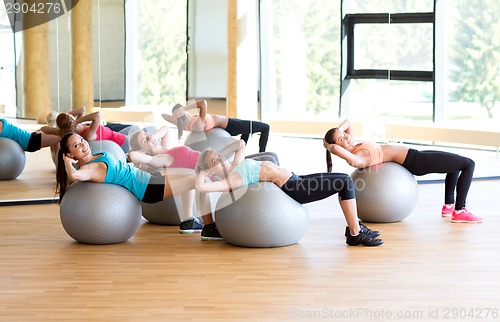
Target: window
388,70
472,64
156,52
300,58
7,67
375,44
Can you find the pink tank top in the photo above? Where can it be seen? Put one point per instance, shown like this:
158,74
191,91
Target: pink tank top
184,157
105,133
374,150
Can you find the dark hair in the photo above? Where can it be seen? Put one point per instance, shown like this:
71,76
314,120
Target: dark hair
62,183
330,140
63,121
180,122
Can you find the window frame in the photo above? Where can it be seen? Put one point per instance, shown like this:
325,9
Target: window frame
348,24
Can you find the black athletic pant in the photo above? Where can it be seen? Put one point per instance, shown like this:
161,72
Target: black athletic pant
318,186
458,169
245,128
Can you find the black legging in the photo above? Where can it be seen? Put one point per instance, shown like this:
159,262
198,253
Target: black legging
245,128
458,169
318,186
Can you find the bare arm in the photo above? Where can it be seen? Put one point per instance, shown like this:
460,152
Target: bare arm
345,126
238,147
233,181
200,105
359,160
203,107
157,161
95,172
78,112
94,118
169,118
163,134
50,130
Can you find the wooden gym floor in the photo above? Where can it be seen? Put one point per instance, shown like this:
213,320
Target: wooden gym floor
428,268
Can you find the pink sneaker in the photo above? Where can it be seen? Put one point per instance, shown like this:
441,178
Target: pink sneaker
446,212
466,217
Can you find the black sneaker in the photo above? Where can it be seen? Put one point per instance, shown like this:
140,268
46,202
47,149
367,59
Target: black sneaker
363,238
373,233
190,226
210,232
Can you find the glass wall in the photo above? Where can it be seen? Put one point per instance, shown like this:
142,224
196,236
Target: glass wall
301,59
7,67
301,62
473,64
396,44
156,52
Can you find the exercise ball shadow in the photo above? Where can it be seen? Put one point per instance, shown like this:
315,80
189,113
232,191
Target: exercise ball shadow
215,139
109,147
385,192
100,213
12,159
262,215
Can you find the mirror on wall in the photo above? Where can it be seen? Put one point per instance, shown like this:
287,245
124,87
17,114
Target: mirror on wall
36,183
7,66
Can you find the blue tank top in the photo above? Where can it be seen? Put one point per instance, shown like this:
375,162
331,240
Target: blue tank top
249,171
125,175
14,133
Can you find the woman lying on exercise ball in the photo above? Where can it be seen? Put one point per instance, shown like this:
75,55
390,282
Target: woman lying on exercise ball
303,189
203,122
30,142
104,168
88,126
150,152
458,169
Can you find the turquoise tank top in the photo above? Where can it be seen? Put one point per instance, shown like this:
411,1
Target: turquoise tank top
125,175
249,171
14,133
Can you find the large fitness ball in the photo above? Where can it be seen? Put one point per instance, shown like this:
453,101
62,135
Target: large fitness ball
12,159
100,213
109,147
385,192
260,215
166,212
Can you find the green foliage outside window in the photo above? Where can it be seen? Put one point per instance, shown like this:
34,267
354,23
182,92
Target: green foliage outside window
320,27
162,52
476,53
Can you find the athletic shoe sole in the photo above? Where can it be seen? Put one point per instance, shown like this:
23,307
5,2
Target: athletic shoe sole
467,221
212,238
190,231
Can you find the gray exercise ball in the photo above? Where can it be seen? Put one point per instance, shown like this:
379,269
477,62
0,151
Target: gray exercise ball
165,212
385,192
100,213
215,139
12,159
262,215
109,147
